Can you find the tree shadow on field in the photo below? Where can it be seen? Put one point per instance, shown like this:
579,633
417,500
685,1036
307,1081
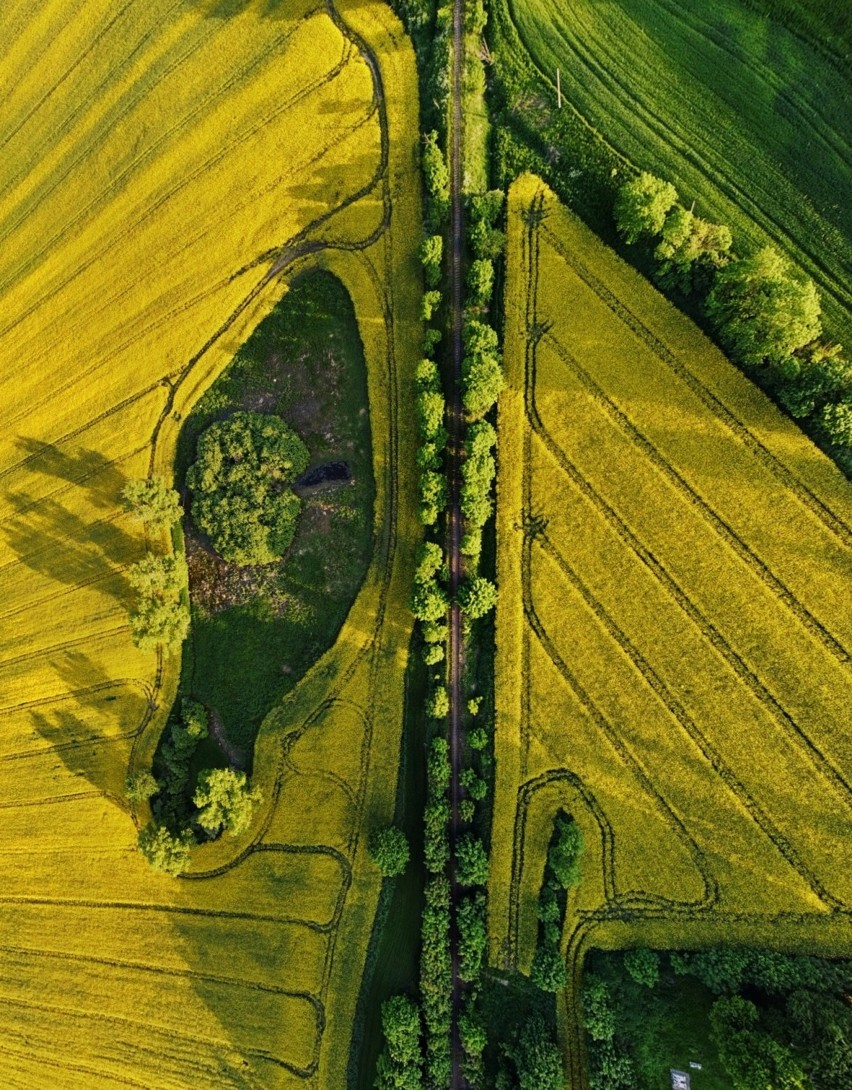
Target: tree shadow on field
264,9
75,731
89,468
54,541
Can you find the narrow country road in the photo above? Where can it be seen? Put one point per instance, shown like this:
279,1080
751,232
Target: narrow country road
455,425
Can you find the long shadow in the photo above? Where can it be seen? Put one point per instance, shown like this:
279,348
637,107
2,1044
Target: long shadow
74,728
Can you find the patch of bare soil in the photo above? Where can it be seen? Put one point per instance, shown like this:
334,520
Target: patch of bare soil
216,585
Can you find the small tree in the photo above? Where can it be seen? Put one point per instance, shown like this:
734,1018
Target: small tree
430,303
836,422
477,597
764,310
471,861
548,970
388,848
641,206
563,858
438,703
225,802
163,850
151,500
400,1064
429,602
643,965
480,281
537,1058
140,786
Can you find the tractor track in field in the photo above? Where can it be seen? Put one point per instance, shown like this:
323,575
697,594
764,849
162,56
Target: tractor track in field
455,427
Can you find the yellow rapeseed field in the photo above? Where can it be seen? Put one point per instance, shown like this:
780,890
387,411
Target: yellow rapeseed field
165,167
674,637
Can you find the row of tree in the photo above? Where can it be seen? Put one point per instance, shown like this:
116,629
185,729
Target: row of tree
765,312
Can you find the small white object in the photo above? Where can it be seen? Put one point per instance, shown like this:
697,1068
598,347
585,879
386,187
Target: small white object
695,1065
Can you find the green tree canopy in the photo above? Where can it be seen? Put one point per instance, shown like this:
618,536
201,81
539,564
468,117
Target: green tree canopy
548,970
140,786
564,854
388,848
225,801
763,309
241,486
537,1058
471,861
477,597
152,500
643,965
163,850
160,618
641,206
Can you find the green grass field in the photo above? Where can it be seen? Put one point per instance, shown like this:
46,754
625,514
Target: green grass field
746,117
255,634
673,632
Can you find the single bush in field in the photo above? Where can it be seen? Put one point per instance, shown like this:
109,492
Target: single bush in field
388,848
225,801
241,486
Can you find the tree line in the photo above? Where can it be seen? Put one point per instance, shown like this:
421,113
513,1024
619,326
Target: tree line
766,314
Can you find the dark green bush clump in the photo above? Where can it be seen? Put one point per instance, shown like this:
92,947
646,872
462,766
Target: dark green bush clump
241,486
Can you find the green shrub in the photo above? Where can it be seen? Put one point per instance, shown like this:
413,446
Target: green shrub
225,801
140,786
388,849
471,861
643,965
438,703
764,310
152,501
642,205
477,597
563,857
165,851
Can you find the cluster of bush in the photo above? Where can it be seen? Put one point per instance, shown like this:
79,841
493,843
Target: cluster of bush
765,313
561,874
219,800
159,618
779,1020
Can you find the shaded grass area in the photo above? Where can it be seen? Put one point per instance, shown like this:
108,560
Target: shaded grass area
393,958
256,631
663,1028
